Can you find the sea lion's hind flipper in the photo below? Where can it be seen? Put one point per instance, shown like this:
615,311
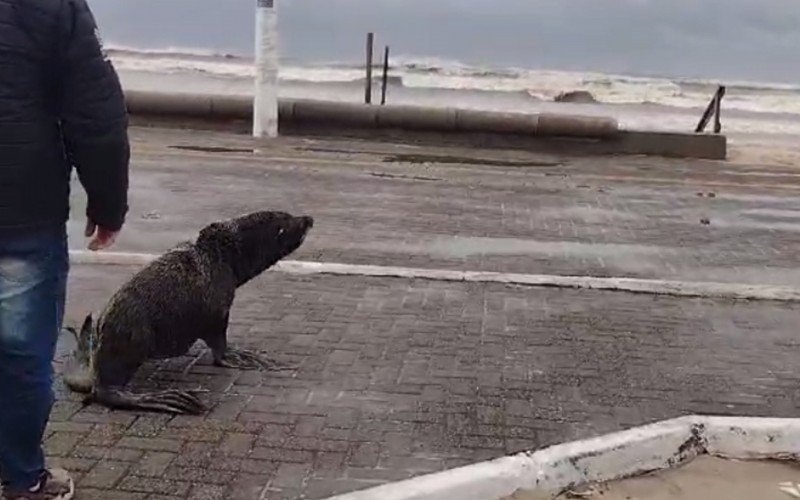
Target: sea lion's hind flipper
172,401
246,360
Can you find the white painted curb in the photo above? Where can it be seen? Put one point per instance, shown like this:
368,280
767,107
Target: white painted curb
615,456
632,285
110,258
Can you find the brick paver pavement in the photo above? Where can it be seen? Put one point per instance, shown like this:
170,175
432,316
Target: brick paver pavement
397,378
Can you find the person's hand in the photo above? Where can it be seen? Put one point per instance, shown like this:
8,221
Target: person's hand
102,238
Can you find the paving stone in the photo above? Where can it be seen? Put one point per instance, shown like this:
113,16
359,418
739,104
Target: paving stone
104,475
283,455
198,433
237,445
105,434
207,492
248,486
154,485
329,464
72,427
195,475
323,488
72,464
150,444
290,476
97,494
365,455
377,474
106,453
196,454
153,464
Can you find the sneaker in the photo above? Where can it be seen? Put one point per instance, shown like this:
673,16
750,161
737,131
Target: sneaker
55,484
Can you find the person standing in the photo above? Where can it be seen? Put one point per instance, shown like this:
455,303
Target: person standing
61,107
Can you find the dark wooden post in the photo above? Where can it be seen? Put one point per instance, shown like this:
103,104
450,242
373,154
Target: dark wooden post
370,44
718,111
714,109
706,116
385,75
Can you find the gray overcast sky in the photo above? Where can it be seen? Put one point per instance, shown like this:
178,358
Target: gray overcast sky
737,39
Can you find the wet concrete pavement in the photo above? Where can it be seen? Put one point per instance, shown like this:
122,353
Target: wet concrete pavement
631,217
396,378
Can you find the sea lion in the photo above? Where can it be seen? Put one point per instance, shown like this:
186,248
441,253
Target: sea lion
183,296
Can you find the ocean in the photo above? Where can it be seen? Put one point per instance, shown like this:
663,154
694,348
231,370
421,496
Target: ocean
749,109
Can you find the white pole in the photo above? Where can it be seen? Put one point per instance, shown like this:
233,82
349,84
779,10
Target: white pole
265,105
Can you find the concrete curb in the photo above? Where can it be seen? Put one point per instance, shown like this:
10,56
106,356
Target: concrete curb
601,135
631,285
615,456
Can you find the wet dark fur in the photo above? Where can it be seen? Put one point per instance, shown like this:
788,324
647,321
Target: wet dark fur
182,297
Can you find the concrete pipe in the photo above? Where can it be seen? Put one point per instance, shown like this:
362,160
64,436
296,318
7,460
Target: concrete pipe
577,126
499,123
335,113
417,118
168,104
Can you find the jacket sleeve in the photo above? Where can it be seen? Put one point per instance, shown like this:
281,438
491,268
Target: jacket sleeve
94,118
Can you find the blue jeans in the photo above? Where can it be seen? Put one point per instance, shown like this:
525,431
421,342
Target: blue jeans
33,279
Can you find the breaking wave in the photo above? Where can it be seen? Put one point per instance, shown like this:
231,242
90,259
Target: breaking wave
434,73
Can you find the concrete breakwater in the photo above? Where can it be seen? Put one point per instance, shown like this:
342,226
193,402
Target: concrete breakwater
573,133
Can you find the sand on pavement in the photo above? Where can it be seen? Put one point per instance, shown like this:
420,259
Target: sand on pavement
705,478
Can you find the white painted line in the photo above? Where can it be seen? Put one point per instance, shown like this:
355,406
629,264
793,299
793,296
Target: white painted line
632,285
615,456
111,258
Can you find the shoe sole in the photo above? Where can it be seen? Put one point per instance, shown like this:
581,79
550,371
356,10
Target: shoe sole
70,495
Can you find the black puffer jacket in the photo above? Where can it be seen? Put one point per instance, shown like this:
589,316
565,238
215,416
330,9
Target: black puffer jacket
61,106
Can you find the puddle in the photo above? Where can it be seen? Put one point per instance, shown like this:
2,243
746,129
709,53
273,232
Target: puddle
776,213
464,160
759,173
405,177
213,149
760,199
756,223
588,214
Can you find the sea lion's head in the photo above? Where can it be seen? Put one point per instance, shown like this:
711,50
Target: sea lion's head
255,242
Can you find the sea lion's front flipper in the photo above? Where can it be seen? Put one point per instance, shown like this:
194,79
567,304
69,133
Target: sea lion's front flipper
246,360
173,401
